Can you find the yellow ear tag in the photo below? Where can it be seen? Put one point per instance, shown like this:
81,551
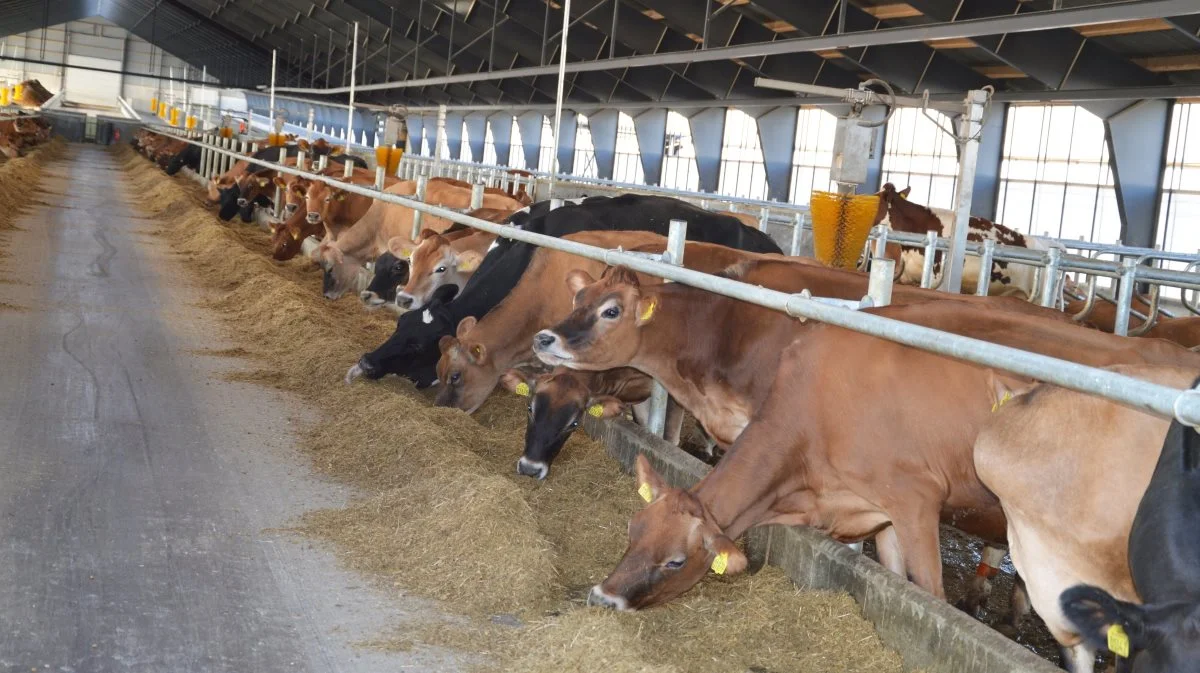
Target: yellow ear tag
406,254
522,389
596,410
649,312
1118,642
720,563
646,493
1003,400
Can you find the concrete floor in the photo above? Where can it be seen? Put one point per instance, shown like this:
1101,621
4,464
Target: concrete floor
138,489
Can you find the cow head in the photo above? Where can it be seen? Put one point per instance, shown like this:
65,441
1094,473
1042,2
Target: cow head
391,273
558,401
324,203
432,264
1160,637
287,237
604,329
343,273
295,192
412,350
8,147
672,544
255,188
466,370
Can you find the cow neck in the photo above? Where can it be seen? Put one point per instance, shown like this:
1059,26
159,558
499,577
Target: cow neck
740,491
507,330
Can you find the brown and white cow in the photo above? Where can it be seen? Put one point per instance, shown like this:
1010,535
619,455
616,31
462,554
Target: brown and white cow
710,352
900,214
1045,456
438,260
344,259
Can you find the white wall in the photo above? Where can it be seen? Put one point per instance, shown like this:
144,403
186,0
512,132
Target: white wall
94,42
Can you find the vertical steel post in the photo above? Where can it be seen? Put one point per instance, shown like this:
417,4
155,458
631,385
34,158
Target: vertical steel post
422,185
764,214
1125,296
879,289
350,107
970,126
278,207
204,152
477,196
931,240
797,234
558,98
985,268
1049,296
657,414
440,141
271,112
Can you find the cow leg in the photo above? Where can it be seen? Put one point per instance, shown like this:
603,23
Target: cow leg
1018,603
917,530
980,586
888,547
1079,658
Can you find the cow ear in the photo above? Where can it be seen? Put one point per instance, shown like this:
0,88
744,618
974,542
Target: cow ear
263,182
478,353
578,279
1004,389
400,246
1103,621
905,192
446,343
280,182
649,485
647,306
728,559
468,260
515,381
464,326
605,406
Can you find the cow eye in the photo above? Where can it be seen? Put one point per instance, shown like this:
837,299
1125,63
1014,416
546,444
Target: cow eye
610,313
440,269
674,564
455,378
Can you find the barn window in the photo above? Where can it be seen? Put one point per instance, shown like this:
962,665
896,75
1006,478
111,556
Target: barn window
919,154
627,162
742,170
813,153
679,155
516,151
1179,207
464,154
489,145
585,152
545,162
1054,176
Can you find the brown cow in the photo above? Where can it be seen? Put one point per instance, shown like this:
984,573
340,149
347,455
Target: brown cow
1043,456
336,210
437,260
483,349
710,353
1103,316
558,401
343,260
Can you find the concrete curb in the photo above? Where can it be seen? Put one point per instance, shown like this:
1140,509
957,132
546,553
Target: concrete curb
928,634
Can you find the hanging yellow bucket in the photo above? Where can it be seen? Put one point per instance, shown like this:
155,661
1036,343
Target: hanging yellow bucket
841,224
154,105
18,93
4,95
395,154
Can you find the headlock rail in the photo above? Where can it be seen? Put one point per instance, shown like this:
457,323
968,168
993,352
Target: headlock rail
1182,405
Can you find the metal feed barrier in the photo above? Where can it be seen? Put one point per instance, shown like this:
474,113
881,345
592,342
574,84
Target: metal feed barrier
1182,405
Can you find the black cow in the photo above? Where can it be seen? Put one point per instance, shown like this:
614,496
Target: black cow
190,157
413,352
1163,634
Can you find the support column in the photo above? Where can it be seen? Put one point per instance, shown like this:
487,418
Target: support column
708,133
476,123
501,124
777,135
987,169
566,141
604,140
530,124
651,128
1137,144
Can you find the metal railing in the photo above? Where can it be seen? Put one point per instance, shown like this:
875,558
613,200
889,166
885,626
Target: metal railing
1182,405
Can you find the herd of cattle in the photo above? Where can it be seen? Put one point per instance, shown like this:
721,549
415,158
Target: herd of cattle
816,425
22,133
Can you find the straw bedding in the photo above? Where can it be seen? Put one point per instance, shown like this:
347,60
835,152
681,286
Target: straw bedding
443,514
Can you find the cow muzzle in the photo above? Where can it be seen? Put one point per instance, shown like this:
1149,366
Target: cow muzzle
313,217
548,348
290,209
371,299
532,468
598,598
242,203
404,300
